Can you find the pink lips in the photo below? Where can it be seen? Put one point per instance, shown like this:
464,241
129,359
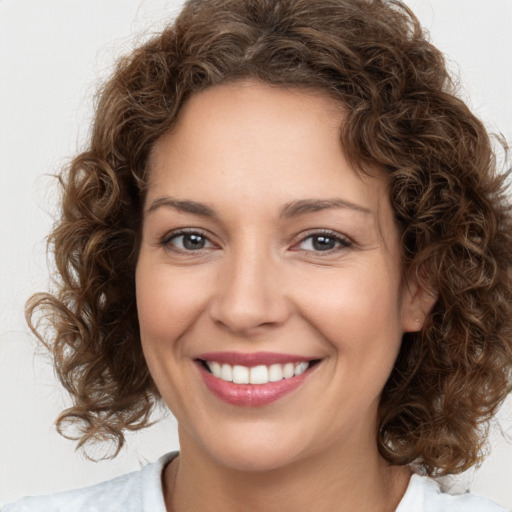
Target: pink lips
251,395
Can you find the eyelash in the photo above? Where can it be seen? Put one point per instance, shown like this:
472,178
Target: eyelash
341,241
168,238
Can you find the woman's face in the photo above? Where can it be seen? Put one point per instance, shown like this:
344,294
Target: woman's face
264,255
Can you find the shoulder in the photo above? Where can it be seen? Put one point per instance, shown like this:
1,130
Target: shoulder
139,491
424,495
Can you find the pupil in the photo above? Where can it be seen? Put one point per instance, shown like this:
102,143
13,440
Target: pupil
193,242
323,243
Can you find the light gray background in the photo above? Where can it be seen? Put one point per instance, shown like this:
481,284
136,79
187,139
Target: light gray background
53,54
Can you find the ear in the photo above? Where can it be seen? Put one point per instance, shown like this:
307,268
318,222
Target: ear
417,302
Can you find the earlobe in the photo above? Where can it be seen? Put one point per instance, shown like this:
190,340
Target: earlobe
417,303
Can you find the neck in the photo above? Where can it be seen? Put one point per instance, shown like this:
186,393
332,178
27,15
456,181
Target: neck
342,480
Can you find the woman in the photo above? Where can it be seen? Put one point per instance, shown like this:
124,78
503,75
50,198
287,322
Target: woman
290,230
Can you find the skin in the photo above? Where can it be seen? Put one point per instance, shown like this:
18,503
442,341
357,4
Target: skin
256,282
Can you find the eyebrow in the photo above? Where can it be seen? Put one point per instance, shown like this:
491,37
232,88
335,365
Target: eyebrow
304,206
293,209
183,205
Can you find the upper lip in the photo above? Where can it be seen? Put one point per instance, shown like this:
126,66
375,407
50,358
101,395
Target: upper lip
254,358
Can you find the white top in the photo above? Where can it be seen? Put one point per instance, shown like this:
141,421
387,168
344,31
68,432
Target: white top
141,491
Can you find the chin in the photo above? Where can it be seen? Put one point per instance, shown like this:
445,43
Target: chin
247,451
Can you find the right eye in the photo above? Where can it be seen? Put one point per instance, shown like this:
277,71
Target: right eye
187,241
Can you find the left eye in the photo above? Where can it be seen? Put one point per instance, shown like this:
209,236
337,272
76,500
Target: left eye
188,241
323,242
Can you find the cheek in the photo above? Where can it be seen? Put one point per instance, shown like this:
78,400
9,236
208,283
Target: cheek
168,302
356,315
360,320
356,312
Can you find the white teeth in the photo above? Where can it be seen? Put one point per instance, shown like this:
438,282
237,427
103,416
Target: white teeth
260,374
288,370
275,373
240,374
226,373
215,368
301,368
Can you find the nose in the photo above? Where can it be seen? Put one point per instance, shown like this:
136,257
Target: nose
250,293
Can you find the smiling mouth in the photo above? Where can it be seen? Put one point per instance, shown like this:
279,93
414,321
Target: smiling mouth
259,374
255,379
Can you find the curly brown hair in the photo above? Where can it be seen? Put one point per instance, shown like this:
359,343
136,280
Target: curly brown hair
402,114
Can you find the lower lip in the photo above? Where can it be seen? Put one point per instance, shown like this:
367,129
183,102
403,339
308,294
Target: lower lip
251,395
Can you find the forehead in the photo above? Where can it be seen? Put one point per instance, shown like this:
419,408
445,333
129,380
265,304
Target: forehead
259,142
254,112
